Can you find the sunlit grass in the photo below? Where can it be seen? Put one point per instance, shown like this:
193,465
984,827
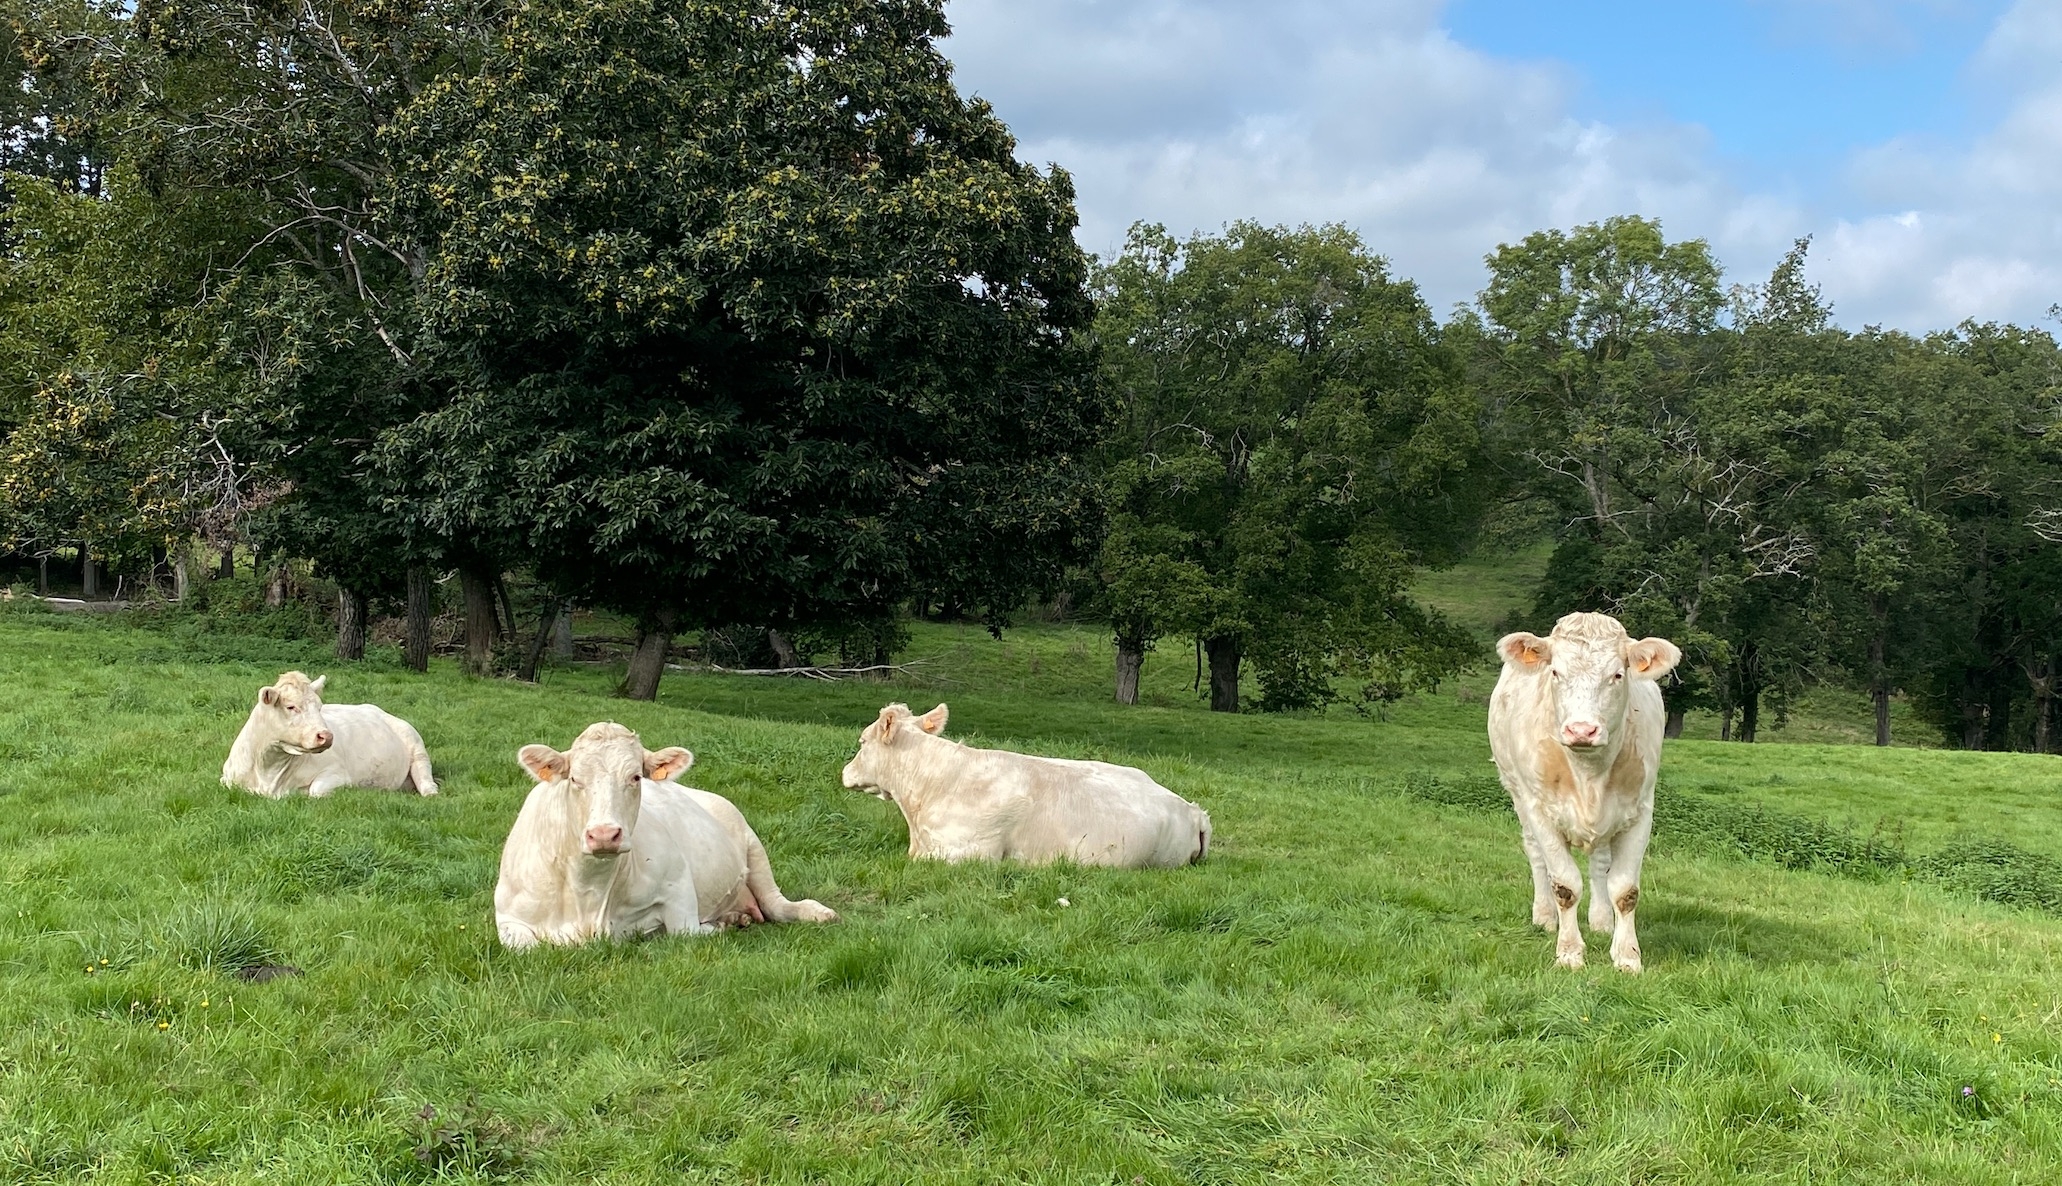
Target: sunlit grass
1346,992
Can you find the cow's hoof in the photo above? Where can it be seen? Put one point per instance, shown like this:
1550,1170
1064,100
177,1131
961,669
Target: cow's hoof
324,793
810,910
427,792
1602,928
1545,918
1570,960
1630,967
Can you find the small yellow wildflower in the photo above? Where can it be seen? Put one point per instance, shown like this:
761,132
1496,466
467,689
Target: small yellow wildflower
203,1004
164,1025
1997,1037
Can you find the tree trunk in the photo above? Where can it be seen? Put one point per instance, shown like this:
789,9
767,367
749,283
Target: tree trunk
648,659
480,623
1224,673
1997,730
275,586
350,624
784,653
43,575
182,563
1879,687
1725,724
89,574
421,597
1750,691
1131,659
160,567
2041,674
562,633
547,626
509,629
1972,709
226,567
1672,726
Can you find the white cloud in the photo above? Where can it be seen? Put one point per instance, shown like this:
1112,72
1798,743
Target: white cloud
1197,112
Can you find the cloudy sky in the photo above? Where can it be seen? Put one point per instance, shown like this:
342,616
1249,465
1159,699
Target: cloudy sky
1918,141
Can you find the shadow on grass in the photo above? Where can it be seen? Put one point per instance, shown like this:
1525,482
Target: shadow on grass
1682,931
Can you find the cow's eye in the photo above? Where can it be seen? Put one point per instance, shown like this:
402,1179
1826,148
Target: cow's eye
293,708
1618,675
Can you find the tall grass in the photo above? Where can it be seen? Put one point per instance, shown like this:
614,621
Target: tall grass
1348,991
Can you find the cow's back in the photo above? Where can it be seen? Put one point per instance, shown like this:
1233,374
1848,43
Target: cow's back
1097,813
368,751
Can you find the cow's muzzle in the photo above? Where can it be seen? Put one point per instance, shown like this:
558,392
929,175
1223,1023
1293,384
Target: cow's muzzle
603,840
1582,735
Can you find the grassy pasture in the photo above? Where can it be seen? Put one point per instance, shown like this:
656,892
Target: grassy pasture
1347,992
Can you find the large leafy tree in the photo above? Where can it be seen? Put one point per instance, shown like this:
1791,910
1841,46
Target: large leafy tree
743,314
109,366
1293,441
1669,450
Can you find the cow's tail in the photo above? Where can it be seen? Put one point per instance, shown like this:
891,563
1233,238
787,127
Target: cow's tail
1202,838
419,770
773,905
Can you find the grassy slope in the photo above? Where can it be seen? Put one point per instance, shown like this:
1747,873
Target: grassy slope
1345,992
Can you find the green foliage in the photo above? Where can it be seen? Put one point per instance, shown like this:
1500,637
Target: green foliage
789,338
1293,442
110,391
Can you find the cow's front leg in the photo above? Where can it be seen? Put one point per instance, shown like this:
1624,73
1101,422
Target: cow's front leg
1564,880
1544,913
324,786
1603,917
1624,892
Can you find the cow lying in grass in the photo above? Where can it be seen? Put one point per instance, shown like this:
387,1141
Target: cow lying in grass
1575,726
966,804
293,740
608,845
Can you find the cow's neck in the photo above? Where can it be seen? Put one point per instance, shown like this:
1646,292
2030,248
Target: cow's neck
925,769
583,881
267,765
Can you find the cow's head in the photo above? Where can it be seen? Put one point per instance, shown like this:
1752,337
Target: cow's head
1587,665
873,766
293,702
602,777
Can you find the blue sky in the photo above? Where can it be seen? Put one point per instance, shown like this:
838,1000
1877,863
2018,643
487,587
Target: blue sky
1918,141
1783,87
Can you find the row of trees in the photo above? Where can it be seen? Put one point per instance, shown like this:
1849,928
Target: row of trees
703,313
1790,501
721,315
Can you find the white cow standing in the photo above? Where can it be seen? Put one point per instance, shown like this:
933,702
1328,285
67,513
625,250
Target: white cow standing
608,845
293,740
967,804
1575,725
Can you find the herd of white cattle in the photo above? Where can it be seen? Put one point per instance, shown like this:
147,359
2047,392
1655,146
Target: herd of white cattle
608,844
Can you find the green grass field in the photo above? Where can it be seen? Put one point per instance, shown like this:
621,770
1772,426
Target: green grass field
1347,991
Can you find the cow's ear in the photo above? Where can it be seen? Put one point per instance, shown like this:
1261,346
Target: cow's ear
1652,658
884,726
1528,651
666,763
268,695
315,685
932,722
544,763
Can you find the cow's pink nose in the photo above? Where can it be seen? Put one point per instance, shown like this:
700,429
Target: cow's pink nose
605,838
324,740
1581,733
